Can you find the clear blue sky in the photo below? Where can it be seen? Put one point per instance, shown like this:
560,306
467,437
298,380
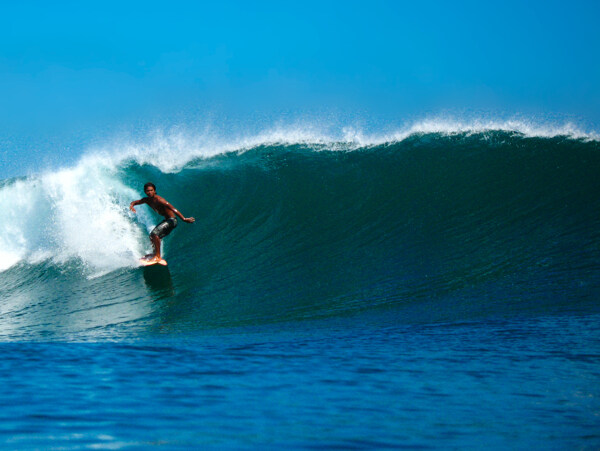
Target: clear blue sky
72,73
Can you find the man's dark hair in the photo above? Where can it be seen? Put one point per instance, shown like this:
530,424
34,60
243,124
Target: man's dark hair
149,184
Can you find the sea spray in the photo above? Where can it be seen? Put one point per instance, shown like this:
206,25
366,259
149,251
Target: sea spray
72,214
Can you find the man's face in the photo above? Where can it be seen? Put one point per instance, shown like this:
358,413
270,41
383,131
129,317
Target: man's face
150,191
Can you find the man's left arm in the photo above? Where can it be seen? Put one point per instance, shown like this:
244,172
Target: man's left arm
178,213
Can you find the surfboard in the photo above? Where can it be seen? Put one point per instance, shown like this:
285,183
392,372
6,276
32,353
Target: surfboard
145,262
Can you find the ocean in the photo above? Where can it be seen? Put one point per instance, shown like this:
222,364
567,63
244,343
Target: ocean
427,290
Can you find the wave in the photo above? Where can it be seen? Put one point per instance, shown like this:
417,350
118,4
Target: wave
307,226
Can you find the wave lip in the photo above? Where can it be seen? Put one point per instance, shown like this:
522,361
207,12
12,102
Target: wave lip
172,150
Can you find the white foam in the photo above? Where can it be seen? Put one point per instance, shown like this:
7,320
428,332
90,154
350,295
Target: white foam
527,128
72,214
18,234
171,150
449,126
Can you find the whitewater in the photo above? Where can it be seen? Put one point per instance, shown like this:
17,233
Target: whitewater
435,286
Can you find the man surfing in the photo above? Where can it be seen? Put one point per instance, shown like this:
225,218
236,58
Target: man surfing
163,208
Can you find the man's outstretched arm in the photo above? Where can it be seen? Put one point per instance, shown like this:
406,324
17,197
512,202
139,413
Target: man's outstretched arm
178,213
136,202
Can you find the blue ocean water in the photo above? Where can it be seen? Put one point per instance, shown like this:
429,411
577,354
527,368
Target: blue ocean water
349,384
435,290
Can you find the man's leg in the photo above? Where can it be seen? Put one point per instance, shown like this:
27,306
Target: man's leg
156,244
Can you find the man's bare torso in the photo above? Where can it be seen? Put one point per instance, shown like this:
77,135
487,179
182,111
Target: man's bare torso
158,204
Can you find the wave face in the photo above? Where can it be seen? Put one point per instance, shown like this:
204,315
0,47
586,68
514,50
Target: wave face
431,227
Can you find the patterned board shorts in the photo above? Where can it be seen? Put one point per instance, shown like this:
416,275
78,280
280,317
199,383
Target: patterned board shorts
164,228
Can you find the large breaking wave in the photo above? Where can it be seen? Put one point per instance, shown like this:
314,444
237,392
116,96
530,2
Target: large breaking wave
290,226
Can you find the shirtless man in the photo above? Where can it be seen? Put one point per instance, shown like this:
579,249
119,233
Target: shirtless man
163,208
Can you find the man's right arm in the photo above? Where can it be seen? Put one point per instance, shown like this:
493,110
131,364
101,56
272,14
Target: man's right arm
136,202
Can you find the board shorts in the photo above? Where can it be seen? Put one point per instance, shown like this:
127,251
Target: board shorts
164,228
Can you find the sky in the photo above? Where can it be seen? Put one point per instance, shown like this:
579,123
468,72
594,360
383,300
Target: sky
73,74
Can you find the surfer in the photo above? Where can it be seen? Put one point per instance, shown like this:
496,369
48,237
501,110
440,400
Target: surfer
163,208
